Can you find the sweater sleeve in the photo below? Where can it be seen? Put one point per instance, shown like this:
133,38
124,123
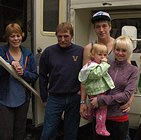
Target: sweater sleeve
121,97
43,76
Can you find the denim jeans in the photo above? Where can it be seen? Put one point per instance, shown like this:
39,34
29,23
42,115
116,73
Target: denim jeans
128,135
54,108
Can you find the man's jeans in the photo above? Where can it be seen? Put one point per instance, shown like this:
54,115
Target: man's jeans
55,106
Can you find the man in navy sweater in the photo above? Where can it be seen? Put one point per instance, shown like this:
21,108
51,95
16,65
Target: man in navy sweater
59,86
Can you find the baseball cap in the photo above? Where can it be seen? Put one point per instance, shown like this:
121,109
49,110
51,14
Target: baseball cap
100,15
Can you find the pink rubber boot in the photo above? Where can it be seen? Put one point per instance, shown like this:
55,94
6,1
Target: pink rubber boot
100,122
90,113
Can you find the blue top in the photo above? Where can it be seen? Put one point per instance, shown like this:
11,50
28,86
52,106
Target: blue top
13,99
59,67
12,92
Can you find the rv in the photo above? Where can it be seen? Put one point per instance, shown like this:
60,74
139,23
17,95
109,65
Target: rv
39,18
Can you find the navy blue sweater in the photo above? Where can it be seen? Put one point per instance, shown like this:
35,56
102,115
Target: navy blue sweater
59,68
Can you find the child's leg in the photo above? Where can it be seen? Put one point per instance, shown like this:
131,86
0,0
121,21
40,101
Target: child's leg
90,111
100,122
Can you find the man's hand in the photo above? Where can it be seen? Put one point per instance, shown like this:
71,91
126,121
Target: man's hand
83,111
83,106
44,104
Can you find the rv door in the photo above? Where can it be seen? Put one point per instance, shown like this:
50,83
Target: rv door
46,16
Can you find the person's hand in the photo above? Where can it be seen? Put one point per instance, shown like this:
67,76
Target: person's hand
83,111
19,70
15,64
126,107
94,102
44,104
104,60
17,67
126,110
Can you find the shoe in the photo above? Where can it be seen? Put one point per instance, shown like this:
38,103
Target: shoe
101,130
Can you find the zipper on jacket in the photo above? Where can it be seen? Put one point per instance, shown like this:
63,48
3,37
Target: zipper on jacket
116,74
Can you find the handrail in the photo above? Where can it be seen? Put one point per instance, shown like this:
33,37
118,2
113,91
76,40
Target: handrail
135,39
11,70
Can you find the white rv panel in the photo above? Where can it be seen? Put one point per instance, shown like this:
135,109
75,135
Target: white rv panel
126,12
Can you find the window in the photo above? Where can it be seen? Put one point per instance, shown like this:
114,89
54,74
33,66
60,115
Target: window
50,15
117,25
13,11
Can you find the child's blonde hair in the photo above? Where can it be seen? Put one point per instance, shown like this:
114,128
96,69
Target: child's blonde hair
98,48
124,42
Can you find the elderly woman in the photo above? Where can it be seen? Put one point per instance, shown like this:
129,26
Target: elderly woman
14,97
125,77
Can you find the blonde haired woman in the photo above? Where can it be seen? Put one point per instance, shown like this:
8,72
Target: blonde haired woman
125,77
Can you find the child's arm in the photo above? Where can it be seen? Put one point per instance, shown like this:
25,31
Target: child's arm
98,71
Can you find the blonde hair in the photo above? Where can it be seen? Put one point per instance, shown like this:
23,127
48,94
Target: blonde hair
124,42
12,28
98,48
